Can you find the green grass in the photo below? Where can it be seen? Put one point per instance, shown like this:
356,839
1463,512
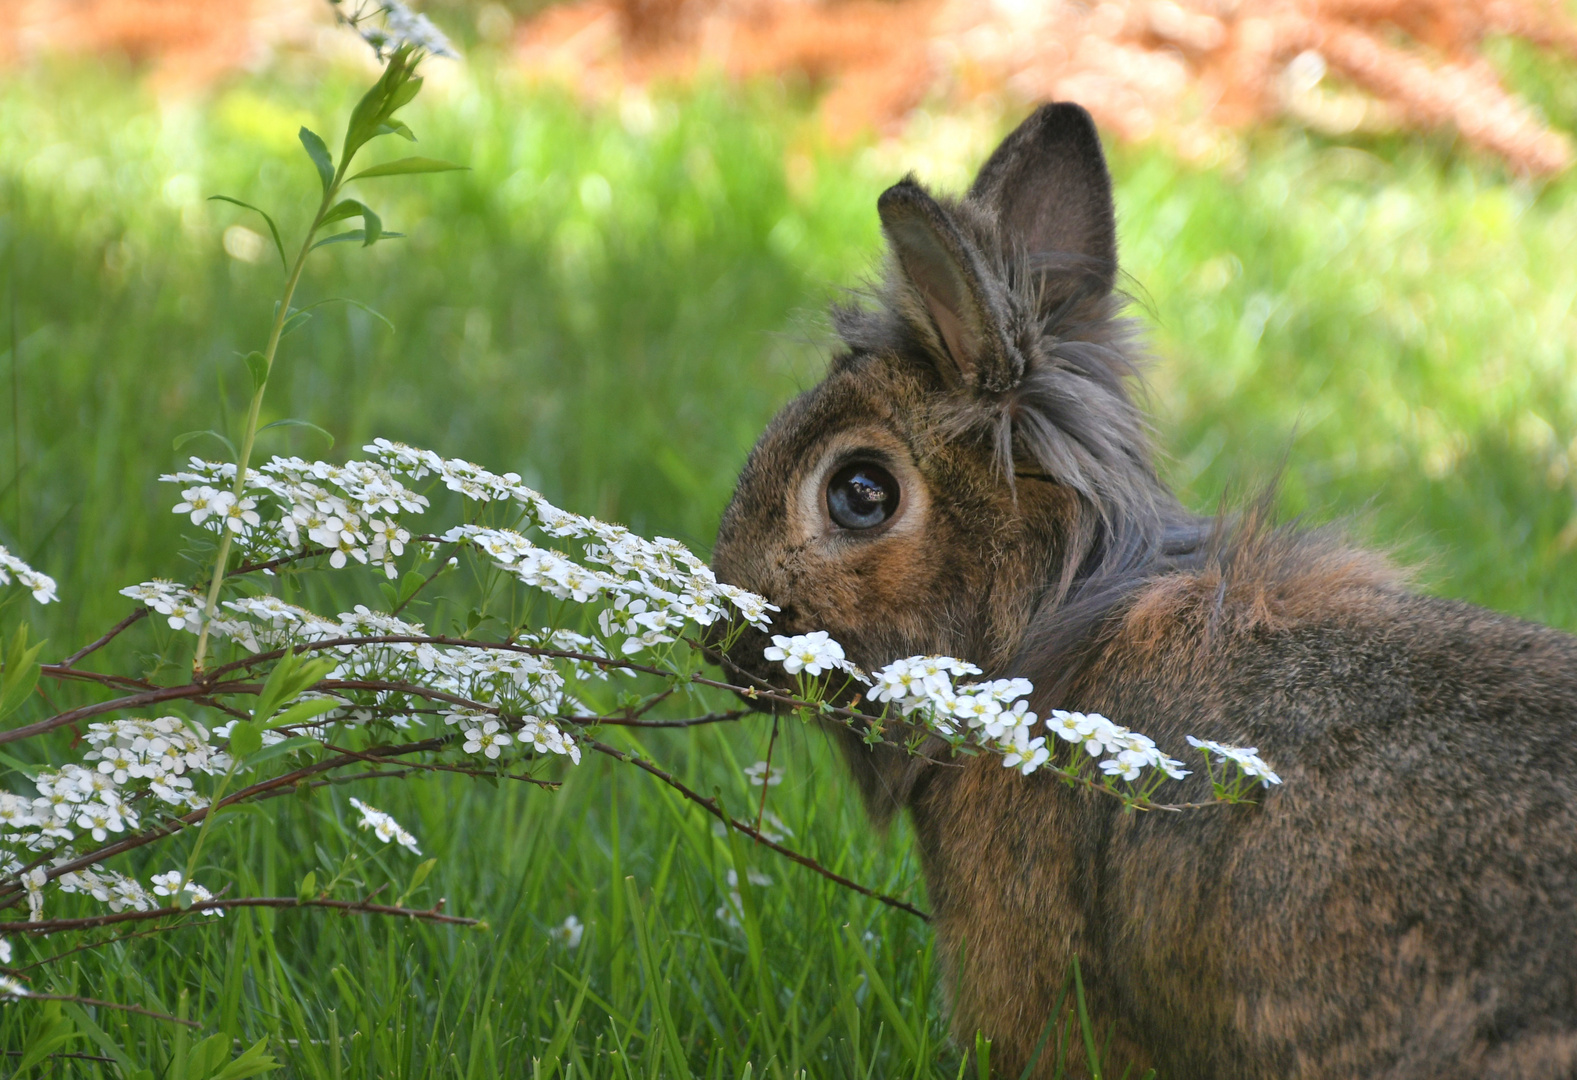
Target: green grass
612,303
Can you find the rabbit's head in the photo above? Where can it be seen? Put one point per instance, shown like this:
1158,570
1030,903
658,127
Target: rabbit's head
974,461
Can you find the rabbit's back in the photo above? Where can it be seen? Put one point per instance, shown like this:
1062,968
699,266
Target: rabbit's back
1404,905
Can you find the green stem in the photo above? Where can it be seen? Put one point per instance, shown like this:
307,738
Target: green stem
250,436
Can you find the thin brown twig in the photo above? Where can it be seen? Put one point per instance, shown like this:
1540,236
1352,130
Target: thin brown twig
766,777
123,682
96,1003
274,564
428,766
109,636
443,565
72,1054
712,807
361,907
693,721
88,945
132,701
174,825
118,682
652,703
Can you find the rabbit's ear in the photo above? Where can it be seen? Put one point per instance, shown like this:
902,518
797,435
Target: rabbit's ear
1048,185
946,276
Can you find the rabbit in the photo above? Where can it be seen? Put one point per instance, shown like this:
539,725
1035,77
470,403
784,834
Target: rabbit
974,478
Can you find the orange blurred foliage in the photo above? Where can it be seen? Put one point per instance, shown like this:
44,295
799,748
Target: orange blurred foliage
185,43
1183,70
1187,71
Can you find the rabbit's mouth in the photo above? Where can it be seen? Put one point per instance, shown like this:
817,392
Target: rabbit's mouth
744,664
762,684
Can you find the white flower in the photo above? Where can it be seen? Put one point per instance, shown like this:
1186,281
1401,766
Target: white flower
811,653
1023,752
487,739
198,502
238,515
568,933
1127,764
385,827
1247,759
42,585
167,884
760,773
406,27
5,951
10,987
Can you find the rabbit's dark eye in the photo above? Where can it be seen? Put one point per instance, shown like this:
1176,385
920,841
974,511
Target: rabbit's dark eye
862,496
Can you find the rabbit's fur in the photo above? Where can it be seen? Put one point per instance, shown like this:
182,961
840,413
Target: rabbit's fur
1405,906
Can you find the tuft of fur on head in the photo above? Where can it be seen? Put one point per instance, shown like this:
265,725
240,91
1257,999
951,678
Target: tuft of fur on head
995,379
1008,293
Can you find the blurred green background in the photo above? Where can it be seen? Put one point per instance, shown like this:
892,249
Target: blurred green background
613,302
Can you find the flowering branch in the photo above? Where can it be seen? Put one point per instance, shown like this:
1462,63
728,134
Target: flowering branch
715,808
51,926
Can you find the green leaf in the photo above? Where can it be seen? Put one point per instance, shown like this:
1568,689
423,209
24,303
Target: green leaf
1086,1027
308,887
884,997
280,749
345,208
371,225
204,1059
27,770
408,166
356,234
289,679
298,423
409,584
302,711
254,1062
191,436
394,88
318,151
246,738
295,322
397,127
403,94
108,1046
374,312
273,230
257,364
419,876
20,675
50,1033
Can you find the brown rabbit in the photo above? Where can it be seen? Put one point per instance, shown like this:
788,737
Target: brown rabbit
973,478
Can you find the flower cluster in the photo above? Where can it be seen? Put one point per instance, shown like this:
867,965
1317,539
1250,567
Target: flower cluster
994,713
651,588
42,585
352,510
385,827
1247,759
401,27
1131,752
172,883
811,653
106,886
132,760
